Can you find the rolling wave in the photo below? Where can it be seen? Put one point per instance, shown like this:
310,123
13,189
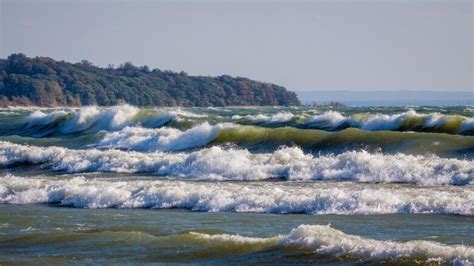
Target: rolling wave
219,163
353,161
407,121
302,241
262,197
91,119
262,139
316,140
329,241
162,139
277,118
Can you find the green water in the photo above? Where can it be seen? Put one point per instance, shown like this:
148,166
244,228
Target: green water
239,185
49,234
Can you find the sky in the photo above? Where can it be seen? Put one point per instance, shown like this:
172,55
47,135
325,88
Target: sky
302,45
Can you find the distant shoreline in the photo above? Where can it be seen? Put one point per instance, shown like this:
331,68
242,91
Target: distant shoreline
389,98
42,81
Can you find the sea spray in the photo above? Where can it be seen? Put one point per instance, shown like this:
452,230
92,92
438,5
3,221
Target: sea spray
325,240
219,163
316,198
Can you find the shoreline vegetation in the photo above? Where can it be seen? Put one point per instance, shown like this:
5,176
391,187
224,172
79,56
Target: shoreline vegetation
45,82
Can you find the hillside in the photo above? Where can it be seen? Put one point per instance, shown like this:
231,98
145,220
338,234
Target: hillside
42,81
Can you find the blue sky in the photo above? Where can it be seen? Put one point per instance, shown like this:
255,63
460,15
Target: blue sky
302,45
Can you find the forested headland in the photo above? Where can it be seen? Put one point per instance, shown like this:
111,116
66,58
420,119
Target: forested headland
42,81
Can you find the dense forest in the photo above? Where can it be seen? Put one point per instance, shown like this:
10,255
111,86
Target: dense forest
42,81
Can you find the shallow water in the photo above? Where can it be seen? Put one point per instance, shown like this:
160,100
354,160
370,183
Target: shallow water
241,185
64,235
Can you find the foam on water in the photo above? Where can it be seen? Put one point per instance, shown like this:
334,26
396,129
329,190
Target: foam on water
39,118
330,120
236,239
112,118
333,120
220,163
184,152
85,118
467,125
275,197
386,122
162,139
329,241
179,112
435,120
93,119
281,117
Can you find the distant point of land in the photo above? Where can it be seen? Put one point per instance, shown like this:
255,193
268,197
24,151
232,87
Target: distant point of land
42,81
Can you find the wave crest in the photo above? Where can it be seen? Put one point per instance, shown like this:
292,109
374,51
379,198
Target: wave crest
220,163
162,139
308,198
406,121
91,119
330,241
327,240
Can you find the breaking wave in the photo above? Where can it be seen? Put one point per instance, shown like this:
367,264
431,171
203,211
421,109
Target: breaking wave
162,139
331,120
270,119
219,163
91,119
262,139
326,240
314,161
314,198
407,121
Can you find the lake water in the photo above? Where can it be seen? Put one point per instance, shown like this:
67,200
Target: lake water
279,185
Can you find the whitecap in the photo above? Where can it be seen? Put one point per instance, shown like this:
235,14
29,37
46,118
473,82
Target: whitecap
263,197
220,163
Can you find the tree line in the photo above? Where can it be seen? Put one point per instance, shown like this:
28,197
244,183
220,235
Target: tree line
42,81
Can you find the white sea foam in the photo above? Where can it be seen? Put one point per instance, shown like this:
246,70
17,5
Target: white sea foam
281,117
387,122
434,120
331,120
467,125
40,118
272,197
112,118
327,240
7,112
219,163
236,239
88,117
162,139
73,161
330,241
179,112
93,118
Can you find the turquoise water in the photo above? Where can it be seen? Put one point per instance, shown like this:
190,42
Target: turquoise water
237,185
